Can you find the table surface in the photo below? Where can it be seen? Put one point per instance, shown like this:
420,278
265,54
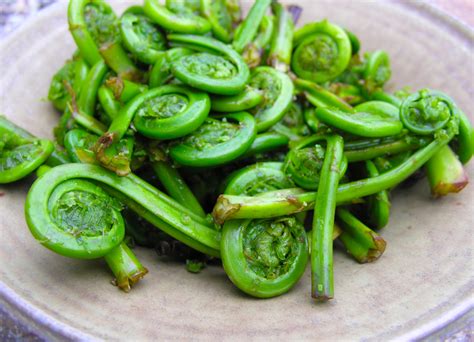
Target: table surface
14,12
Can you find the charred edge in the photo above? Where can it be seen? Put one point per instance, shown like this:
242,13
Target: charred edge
122,172
223,210
443,189
275,62
321,298
252,55
136,277
116,85
375,253
104,141
72,93
133,75
299,206
127,282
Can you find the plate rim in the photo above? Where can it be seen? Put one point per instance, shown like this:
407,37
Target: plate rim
43,323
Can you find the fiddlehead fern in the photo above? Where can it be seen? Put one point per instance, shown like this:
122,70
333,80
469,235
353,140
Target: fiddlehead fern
69,78
109,104
355,42
465,139
20,156
427,111
247,30
323,221
377,70
257,48
304,162
114,94
264,258
235,12
216,142
320,97
153,131
172,181
161,71
322,51
267,142
282,42
293,124
243,207
446,173
166,112
258,178
184,6
359,240
87,99
247,99
378,205
61,186
218,69
81,148
218,15
141,37
80,220
93,27
369,119
277,90
82,107
176,18
349,93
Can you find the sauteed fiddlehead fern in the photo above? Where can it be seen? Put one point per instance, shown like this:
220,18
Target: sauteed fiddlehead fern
171,111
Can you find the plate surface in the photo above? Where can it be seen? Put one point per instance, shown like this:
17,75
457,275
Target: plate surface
423,281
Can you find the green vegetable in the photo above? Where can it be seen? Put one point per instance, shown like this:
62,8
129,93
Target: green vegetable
282,41
445,173
174,20
322,51
322,283
216,142
247,30
370,119
58,188
277,90
255,179
20,155
264,258
219,16
66,82
246,117
358,239
214,67
93,25
166,112
247,99
378,205
141,37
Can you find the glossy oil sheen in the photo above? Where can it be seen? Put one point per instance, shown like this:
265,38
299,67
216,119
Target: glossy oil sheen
423,281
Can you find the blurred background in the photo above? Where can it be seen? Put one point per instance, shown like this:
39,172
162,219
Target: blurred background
14,12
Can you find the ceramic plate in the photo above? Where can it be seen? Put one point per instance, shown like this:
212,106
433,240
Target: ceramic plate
423,281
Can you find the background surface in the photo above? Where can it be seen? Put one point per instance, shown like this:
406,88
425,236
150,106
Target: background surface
14,12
